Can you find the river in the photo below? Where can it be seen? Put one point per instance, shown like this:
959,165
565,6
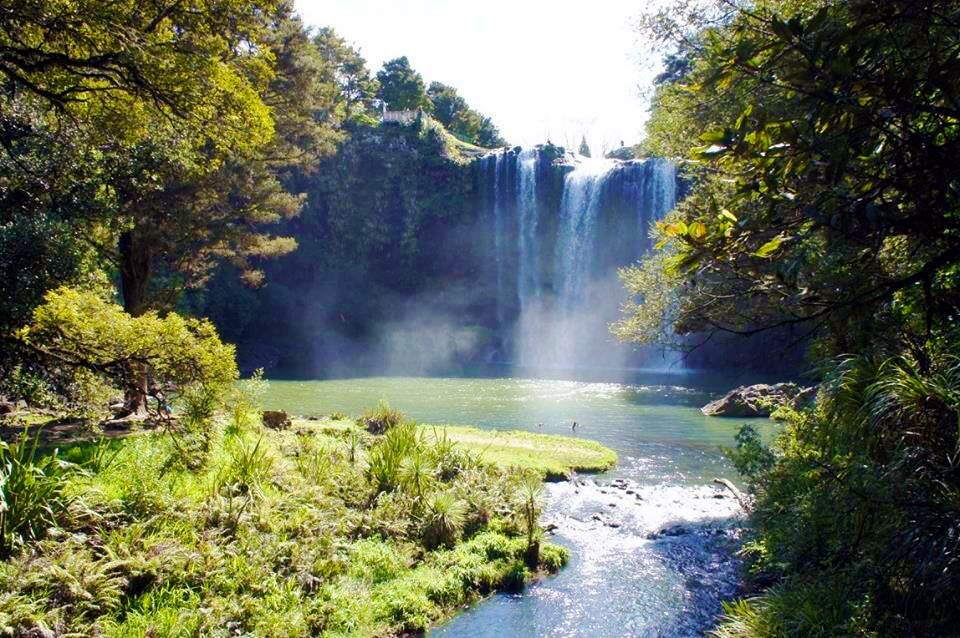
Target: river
652,542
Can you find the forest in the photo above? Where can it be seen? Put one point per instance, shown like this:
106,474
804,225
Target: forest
204,204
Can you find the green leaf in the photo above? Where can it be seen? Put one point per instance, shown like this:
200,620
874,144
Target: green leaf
770,247
725,214
675,229
710,152
697,231
715,137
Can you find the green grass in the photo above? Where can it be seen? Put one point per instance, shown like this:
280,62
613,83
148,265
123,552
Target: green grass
282,533
551,455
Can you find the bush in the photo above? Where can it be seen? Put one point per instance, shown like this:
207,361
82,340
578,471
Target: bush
442,520
29,386
381,419
242,403
855,512
73,330
515,577
32,494
386,459
553,557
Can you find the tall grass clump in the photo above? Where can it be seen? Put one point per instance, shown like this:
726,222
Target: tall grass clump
32,494
243,403
381,419
248,467
387,458
443,520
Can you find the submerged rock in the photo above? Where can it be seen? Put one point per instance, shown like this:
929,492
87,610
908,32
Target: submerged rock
673,530
759,400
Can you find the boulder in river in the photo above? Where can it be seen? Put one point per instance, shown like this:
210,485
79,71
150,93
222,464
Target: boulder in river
759,400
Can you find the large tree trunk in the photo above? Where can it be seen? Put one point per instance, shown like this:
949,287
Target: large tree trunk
134,282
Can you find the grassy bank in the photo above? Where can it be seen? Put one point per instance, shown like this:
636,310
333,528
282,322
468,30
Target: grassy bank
550,455
322,528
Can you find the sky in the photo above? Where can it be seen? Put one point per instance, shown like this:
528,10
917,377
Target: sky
541,69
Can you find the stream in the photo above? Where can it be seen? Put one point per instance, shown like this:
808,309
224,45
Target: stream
652,542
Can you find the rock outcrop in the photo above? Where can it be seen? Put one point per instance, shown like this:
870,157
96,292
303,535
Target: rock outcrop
759,400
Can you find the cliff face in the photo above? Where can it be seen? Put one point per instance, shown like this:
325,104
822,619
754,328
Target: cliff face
419,254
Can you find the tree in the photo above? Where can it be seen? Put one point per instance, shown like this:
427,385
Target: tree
488,135
121,68
451,110
401,87
184,128
826,197
347,69
73,330
178,218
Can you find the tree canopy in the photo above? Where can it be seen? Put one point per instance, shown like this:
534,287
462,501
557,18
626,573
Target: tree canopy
451,110
826,196
401,87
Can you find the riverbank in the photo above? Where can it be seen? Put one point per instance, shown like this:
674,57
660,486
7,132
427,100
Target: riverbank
551,455
317,528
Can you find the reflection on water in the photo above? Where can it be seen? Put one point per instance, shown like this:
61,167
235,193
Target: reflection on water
625,578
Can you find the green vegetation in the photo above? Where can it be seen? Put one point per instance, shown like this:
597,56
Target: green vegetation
321,528
401,87
824,198
455,114
550,455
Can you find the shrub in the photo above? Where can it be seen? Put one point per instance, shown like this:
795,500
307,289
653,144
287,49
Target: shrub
381,419
442,520
553,557
74,329
249,467
386,459
855,509
32,494
376,561
515,577
243,402
20,383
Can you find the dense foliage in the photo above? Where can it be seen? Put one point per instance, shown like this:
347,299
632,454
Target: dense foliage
278,533
402,87
76,331
824,198
455,114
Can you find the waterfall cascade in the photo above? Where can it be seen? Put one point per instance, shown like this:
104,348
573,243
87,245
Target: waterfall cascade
560,229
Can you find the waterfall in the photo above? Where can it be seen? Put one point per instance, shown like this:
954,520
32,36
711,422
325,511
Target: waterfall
498,230
561,227
577,243
528,271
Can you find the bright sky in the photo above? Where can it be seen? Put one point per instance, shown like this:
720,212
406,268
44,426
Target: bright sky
541,69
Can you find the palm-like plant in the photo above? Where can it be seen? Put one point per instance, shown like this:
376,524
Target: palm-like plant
443,520
531,488
32,492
